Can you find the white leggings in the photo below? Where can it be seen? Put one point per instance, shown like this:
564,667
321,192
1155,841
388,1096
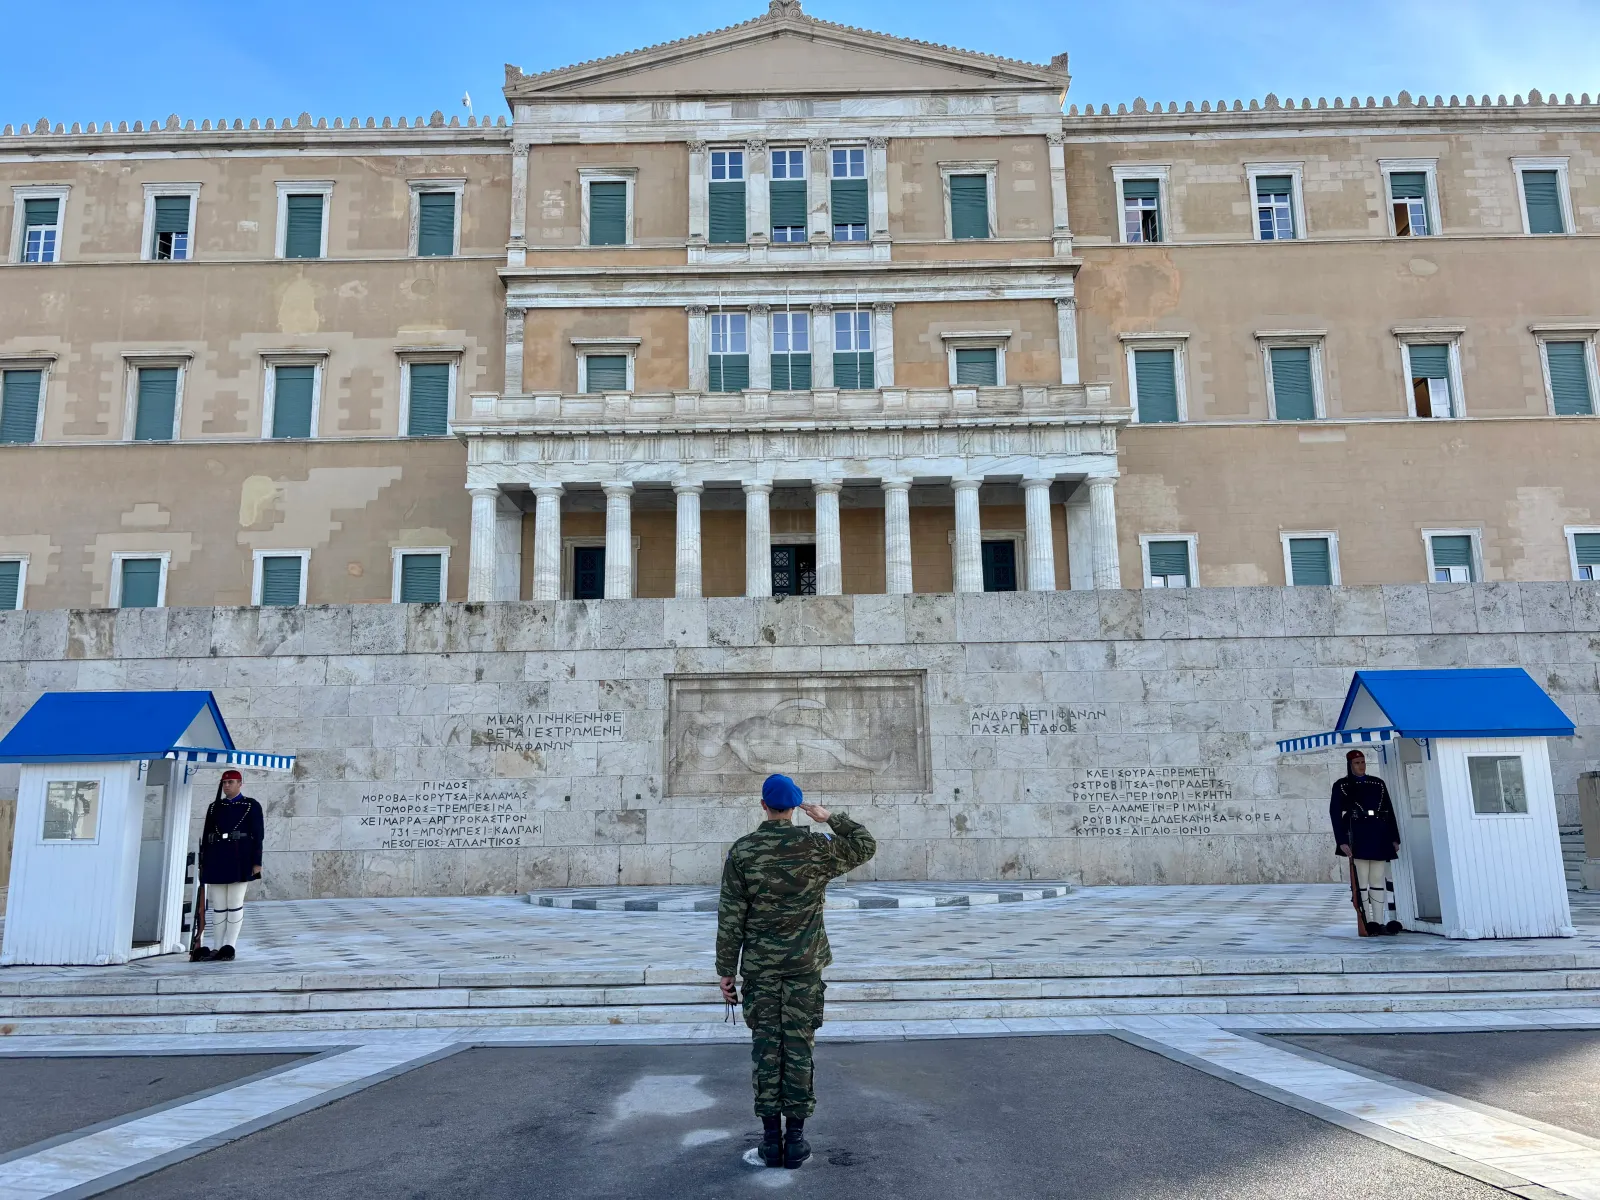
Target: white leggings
1372,880
225,913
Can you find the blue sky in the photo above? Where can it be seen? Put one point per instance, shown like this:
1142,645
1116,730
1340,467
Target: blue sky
111,60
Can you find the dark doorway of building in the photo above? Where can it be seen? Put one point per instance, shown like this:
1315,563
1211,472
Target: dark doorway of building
1000,566
588,573
794,570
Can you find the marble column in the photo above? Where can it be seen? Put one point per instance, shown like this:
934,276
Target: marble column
878,189
1067,338
481,568
1080,541
760,343
819,193
1061,224
883,344
699,193
619,540
508,550
1103,518
757,197
897,537
516,322
547,541
969,536
830,559
821,346
758,538
687,575
517,246
699,348
1041,550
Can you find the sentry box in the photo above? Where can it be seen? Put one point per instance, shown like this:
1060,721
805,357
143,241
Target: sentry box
1466,758
98,855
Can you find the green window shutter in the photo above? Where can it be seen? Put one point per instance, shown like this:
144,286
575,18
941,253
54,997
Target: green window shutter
10,581
40,212
1274,185
727,212
157,404
606,372
729,372
791,372
436,224
1292,392
420,578
608,214
1585,545
1310,562
302,231
1542,191
1452,550
19,406
849,201
1156,376
172,214
292,389
141,582
977,368
1408,185
969,206
1569,380
430,400
280,580
788,201
1169,558
853,371
1430,362
1141,189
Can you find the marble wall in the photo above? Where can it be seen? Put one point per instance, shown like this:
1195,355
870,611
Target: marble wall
1101,737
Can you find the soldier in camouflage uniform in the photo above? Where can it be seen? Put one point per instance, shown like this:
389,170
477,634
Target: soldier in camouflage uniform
769,929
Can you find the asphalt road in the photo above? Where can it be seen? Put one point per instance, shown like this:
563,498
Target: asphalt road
1549,1075
44,1097
1088,1117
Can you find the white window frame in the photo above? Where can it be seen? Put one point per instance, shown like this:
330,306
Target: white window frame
410,356
118,557
799,318
625,175
147,249
1194,555
1160,172
586,541
1476,534
1522,163
42,363
21,576
302,187
977,339
1178,343
271,360
1296,173
988,169
400,552
866,159
133,361
38,191
711,164
866,174
1543,334
456,187
1331,536
1450,335
257,573
1570,531
1269,340
1406,166
804,177
585,346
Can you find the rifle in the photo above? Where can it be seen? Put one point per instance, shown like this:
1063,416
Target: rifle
1355,899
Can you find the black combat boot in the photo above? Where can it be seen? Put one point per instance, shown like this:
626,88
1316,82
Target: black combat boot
772,1141
224,955
795,1147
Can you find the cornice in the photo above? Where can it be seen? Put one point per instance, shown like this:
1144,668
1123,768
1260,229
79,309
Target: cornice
306,133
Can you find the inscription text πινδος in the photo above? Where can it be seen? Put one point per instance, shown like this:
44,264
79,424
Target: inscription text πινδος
454,814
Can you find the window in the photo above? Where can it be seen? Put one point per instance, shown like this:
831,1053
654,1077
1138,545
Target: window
169,210
791,351
303,219
999,565
13,582
976,358
1156,377
291,403
1546,202
420,576
607,207
588,572
1429,370
156,392
1497,784
1583,547
71,811
1408,203
969,193
1168,560
605,373
729,361
1452,555
849,194
1310,559
429,390
1294,377
280,578
794,570
727,196
1569,376
1276,191
139,580
852,349
36,223
977,368
1141,210
21,407
436,217
787,195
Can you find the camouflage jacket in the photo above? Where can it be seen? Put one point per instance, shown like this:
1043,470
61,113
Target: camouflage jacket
773,887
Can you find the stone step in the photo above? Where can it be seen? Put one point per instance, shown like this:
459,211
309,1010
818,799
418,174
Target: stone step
895,1010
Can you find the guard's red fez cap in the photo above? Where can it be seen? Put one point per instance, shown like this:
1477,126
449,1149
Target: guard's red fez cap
1347,757
233,775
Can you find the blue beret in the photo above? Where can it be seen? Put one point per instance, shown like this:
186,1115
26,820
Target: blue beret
780,793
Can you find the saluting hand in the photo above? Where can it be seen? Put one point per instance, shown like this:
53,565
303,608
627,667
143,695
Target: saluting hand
816,812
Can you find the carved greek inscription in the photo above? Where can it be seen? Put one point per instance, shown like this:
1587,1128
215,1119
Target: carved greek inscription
1024,721
1162,801
448,815
546,731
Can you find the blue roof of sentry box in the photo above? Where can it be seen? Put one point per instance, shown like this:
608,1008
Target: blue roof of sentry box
113,727
1461,703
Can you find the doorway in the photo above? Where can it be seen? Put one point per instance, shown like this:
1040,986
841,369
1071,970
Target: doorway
794,570
155,830
1416,830
1000,566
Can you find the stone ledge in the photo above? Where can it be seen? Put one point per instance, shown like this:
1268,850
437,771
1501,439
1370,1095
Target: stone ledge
851,896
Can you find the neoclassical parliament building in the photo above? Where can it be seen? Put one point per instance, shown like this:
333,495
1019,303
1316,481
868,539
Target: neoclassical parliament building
793,307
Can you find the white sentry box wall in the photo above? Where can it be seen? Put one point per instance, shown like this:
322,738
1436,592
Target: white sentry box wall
76,902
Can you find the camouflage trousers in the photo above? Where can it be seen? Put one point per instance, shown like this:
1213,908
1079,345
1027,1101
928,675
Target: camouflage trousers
783,1012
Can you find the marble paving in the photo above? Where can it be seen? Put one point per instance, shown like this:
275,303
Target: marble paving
912,894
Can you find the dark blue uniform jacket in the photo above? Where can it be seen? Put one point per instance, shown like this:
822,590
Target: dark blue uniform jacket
230,847
1363,817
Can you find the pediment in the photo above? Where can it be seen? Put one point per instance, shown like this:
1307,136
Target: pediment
787,53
